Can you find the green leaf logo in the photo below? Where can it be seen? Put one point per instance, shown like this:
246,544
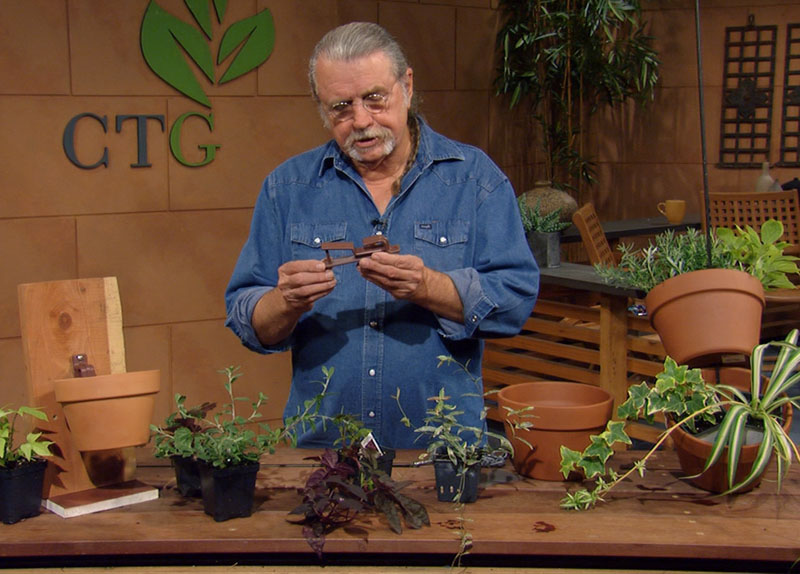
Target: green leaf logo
166,42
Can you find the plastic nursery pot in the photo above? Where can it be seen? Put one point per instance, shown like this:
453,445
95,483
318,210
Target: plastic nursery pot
187,476
693,450
21,491
564,413
449,482
228,492
109,411
703,315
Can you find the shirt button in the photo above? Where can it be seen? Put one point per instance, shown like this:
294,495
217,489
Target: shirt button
379,233
373,324
474,318
443,239
371,414
317,240
372,372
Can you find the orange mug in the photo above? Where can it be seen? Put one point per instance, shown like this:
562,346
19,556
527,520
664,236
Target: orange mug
673,210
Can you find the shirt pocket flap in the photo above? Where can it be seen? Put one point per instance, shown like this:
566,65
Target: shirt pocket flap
442,233
315,234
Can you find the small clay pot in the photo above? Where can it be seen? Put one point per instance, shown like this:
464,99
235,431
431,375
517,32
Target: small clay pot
564,413
109,411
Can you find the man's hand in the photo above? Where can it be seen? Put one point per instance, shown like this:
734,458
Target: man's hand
303,282
300,284
407,277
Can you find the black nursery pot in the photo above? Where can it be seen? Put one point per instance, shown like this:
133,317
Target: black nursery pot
228,492
386,461
187,476
21,491
448,482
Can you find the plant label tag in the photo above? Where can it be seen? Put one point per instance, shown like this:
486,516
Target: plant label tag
369,443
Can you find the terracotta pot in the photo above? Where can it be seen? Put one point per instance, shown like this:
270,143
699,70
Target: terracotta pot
109,411
702,315
564,413
693,452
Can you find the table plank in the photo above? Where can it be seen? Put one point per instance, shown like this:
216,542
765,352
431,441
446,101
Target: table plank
658,516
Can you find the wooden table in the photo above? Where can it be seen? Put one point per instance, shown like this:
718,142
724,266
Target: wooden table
617,229
655,521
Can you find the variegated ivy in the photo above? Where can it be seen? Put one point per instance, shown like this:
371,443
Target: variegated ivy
682,394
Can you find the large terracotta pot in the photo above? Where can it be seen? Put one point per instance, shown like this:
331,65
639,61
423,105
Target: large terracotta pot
702,315
693,452
109,411
564,413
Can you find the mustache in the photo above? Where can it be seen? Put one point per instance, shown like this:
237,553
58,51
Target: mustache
378,132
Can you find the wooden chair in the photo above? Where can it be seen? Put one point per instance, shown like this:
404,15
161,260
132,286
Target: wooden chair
728,209
594,238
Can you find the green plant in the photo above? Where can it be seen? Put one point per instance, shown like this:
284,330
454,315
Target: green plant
33,446
761,253
349,482
566,58
670,254
681,394
533,220
224,437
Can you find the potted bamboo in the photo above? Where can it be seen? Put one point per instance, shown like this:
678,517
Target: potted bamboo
22,466
691,403
706,302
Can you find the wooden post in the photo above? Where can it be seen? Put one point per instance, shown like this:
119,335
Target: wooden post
60,319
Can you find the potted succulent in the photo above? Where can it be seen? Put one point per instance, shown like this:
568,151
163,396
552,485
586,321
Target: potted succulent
543,231
22,466
706,301
351,480
689,403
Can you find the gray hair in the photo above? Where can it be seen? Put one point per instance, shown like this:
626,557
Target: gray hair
356,40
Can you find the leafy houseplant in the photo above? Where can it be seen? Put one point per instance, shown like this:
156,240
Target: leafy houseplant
22,466
689,401
228,445
350,481
685,291
566,58
670,254
176,440
456,448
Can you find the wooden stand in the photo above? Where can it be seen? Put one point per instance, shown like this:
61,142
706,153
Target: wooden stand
60,319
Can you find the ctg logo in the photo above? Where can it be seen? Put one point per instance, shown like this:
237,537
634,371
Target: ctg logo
172,48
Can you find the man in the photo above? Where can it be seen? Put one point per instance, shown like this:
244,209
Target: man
464,270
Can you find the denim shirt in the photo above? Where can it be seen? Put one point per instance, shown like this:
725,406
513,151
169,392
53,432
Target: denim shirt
457,211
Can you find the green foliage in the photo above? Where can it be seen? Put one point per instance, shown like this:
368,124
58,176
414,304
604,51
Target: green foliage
166,41
533,220
671,254
566,58
761,254
463,445
33,446
225,437
684,397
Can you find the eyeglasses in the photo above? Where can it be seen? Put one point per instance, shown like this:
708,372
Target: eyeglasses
374,103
